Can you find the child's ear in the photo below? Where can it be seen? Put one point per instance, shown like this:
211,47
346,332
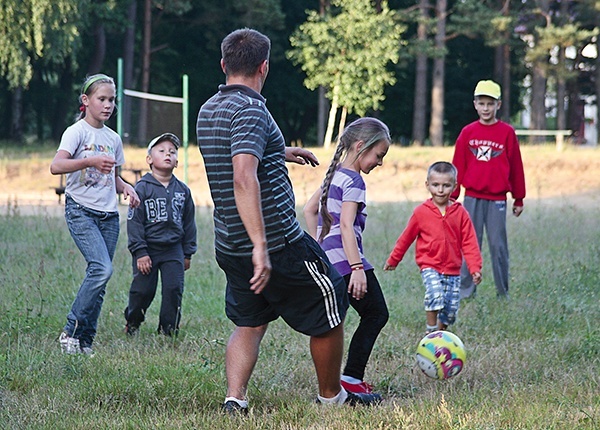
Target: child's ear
149,159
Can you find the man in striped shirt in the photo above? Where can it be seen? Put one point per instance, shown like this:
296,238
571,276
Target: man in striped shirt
272,267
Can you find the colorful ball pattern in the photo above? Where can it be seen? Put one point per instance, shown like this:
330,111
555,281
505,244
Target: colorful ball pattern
441,355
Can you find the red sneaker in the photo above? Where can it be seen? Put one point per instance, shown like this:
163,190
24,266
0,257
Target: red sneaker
360,388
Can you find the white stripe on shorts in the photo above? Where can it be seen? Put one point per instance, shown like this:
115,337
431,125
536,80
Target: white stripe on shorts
328,292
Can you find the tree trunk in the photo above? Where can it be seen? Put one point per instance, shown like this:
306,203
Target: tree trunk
332,114
97,60
322,102
146,52
506,82
436,126
16,124
128,60
420,97
64,102
561,117
561,84
538,105
321,116
342,123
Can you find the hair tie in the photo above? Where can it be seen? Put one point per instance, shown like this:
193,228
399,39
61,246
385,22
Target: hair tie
82,108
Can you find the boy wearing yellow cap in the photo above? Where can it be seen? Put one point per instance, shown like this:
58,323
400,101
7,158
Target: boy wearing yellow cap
489,164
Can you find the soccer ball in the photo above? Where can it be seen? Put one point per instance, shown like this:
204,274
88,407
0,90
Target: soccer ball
441,355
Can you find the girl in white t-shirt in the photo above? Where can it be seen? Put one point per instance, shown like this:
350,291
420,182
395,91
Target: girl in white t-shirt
89,154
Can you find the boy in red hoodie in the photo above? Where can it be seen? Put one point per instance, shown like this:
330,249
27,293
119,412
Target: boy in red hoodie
489,164
444,234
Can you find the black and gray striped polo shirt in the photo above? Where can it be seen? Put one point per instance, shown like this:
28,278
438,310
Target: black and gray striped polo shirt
237,121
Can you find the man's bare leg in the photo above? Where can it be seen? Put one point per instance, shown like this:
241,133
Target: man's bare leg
240,358
327,351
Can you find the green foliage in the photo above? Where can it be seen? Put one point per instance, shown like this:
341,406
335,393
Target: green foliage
476,18
347,51
554,37
36,29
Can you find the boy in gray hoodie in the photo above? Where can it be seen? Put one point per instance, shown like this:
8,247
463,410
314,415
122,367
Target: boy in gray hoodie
161,238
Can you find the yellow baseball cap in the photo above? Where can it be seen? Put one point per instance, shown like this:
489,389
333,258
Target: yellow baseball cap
488,88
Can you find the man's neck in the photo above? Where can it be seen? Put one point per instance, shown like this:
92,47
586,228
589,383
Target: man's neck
254,82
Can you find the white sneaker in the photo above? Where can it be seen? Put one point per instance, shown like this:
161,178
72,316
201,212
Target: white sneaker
69,345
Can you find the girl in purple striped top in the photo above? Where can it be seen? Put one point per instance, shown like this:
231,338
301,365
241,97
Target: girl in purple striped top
335,216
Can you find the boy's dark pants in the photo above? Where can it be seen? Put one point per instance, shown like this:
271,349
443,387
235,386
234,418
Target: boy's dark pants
169,262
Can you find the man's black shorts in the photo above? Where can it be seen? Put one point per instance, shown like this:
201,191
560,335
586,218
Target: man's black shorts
304,289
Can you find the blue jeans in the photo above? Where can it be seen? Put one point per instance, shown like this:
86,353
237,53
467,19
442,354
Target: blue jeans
95,233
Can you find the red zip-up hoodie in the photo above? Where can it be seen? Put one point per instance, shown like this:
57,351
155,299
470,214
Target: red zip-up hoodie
442,240
489,162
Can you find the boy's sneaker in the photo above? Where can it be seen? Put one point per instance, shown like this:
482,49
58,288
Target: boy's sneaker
131,330
232,407
360,388
68,344
364,399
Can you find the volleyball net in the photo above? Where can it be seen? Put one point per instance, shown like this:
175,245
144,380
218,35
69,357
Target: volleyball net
142,116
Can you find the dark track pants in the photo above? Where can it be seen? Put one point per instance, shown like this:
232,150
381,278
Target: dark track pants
169,263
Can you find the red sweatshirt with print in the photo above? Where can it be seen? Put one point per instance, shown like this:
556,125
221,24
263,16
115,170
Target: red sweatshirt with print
442,240
489,162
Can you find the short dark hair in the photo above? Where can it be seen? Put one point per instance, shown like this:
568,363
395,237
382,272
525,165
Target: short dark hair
243,51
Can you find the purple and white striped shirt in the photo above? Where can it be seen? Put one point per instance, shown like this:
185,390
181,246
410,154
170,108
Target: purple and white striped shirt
346,186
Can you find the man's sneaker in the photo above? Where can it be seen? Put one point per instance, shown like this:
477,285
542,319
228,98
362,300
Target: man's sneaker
364,399
232,407
131,330
361,388
68,344
87,350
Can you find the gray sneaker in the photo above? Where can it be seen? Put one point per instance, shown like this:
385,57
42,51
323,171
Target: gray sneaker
68,344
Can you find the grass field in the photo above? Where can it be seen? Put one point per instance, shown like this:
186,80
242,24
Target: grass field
533,362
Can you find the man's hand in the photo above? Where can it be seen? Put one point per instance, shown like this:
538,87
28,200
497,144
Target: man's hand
262,269
294,154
